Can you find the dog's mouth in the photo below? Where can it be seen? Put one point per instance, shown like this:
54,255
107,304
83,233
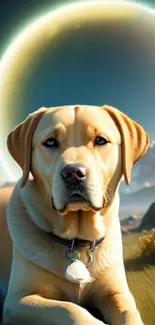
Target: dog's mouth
75,202
76,197
78,202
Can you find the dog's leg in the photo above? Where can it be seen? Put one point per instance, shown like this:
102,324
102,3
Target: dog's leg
113,298
120,309
125,309
35,309
130,317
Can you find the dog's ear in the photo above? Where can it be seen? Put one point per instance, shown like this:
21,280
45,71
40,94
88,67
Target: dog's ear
19,142
134,139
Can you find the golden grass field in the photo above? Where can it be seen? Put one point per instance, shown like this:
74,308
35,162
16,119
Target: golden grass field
140,272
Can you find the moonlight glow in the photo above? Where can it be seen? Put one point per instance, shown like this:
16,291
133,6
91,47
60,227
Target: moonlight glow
33,39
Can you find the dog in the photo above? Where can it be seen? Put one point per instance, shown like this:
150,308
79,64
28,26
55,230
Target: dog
62,217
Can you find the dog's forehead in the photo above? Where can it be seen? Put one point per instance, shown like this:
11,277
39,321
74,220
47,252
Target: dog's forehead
69,116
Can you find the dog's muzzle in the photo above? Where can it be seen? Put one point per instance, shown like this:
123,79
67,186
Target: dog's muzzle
76,191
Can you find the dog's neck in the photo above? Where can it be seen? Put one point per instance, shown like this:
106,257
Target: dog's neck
41,250
80,224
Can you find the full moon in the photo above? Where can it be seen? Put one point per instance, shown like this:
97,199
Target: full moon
77,54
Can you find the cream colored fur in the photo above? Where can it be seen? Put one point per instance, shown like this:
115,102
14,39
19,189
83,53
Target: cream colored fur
38,291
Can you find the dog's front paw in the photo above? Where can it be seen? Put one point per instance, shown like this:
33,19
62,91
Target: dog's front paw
98,322
93,322
130,317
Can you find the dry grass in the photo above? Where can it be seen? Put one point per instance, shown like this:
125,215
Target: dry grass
140,272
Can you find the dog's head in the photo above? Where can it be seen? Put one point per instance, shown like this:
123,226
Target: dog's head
78,154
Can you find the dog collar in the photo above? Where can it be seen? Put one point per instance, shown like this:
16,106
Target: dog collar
74,270
77,242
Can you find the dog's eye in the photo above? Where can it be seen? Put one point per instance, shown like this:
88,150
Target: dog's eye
51,143
100,141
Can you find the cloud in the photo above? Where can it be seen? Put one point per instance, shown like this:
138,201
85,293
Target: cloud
143,172
147,184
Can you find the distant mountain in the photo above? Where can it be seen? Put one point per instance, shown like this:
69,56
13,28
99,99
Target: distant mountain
131,220
143,172
7,184
148,221
137,201
4,179
2,175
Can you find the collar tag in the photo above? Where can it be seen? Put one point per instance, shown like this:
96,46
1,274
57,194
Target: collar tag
76,271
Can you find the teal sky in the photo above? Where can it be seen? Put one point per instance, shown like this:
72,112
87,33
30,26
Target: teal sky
104,64
107,63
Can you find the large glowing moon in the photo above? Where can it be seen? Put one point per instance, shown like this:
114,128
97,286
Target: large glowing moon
43,34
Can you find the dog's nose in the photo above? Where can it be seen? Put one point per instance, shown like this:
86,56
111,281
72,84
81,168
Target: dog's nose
74,173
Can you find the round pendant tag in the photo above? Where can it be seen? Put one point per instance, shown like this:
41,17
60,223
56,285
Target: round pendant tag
75,271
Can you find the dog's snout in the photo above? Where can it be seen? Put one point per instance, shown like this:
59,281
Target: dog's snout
74,173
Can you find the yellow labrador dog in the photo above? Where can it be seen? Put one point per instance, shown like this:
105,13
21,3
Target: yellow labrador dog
63,221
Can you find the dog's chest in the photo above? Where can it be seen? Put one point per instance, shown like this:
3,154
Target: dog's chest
76,293
60,288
